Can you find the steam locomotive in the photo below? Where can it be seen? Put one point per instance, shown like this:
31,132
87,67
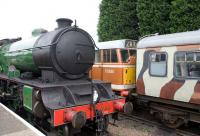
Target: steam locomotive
46,78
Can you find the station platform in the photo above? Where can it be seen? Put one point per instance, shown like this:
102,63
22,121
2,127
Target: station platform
13,125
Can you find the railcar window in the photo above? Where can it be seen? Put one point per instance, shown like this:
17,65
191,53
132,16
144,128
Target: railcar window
132,52
124,55
158,64
198,56
190,56
180,56
97,56
106,55
189,67
114,55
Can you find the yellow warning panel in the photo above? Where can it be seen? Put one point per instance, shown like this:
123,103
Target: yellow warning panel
129,75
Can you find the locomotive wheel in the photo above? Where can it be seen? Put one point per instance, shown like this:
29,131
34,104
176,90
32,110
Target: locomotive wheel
173,122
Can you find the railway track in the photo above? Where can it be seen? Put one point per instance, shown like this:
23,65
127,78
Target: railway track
154,123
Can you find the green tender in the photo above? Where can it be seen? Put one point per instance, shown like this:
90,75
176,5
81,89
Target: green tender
27,97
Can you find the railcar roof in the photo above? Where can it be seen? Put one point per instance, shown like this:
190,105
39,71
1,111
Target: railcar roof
117,44
176,39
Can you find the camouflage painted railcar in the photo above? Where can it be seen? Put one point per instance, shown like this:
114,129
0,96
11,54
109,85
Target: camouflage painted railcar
168,76
46,78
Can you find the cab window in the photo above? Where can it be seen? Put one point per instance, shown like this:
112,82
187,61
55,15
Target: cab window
132,52
187,64
106,55
114,55
158,64
124,55
97,56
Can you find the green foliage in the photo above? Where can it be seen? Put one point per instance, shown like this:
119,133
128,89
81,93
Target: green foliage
185,15
118,20
153,16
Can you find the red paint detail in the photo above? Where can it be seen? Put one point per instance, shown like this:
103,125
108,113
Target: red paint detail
168,90
187,48
154,49
140,87
119,106
196,95
106,107
124,93
69,114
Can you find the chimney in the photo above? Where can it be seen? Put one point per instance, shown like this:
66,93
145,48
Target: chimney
64,22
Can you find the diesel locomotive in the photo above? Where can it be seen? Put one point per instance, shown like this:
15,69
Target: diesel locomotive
46,78
115,61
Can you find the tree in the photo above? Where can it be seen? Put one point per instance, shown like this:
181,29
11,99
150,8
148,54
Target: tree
185,15
118,20
153,16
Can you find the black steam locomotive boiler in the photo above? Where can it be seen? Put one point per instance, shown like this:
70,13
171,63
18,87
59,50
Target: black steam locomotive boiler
46,78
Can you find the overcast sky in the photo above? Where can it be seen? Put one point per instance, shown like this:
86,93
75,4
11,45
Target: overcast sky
20,17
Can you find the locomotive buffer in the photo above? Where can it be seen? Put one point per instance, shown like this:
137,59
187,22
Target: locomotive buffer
13,125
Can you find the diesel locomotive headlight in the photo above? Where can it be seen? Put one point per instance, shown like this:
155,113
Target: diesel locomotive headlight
95,96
